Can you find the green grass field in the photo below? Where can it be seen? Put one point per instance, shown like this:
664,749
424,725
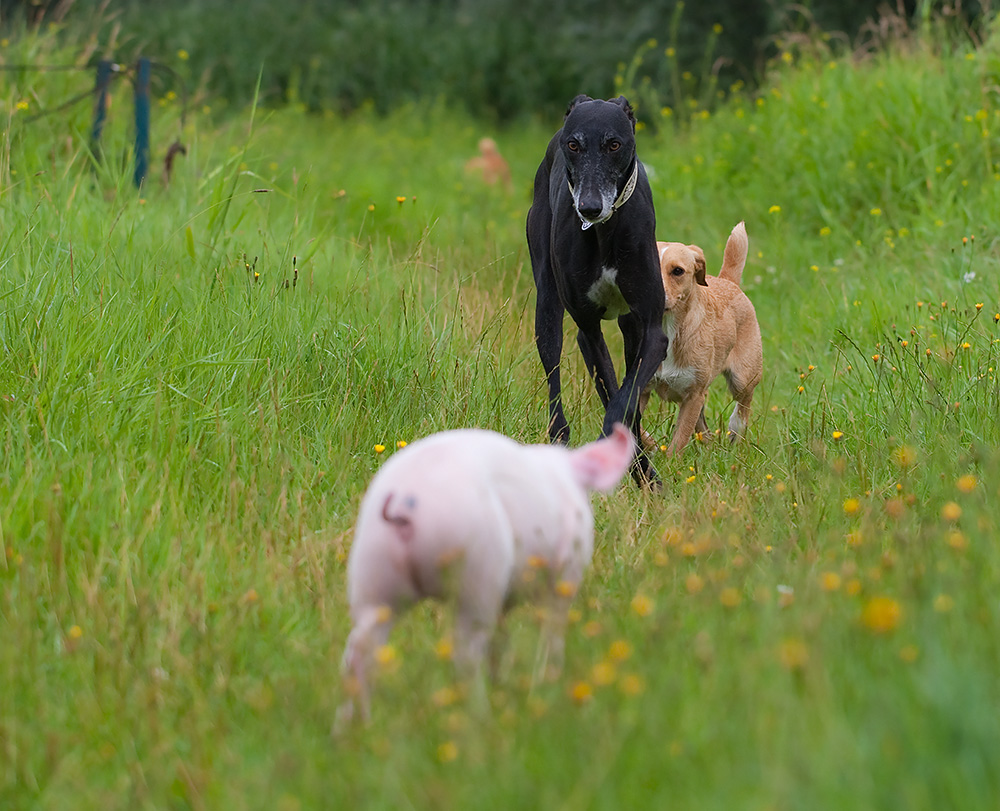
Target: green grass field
196,380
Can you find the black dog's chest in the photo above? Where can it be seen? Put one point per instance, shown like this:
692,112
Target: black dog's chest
605,294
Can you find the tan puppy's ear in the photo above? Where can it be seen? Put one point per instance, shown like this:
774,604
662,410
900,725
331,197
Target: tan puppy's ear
700,265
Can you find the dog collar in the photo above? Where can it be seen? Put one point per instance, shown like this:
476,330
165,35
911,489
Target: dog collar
622,198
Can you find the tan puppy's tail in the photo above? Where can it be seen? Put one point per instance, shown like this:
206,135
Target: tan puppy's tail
735,257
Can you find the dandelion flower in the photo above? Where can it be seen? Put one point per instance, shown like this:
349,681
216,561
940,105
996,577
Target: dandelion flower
943,603
581,692
951,511
564,588
958,540
631,684
603,673
967,483
793,654
642,605
881,615
385,655
851,506
619,650
444,697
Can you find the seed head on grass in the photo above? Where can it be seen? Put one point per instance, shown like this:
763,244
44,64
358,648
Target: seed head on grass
904,456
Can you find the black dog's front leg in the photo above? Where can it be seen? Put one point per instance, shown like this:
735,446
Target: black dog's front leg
548,339
597,358
645,348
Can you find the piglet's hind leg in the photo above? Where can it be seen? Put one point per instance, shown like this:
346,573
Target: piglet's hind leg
370,632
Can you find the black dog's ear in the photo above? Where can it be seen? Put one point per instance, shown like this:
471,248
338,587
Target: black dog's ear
622,102
576,101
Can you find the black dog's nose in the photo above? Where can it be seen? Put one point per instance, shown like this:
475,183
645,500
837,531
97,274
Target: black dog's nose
590,212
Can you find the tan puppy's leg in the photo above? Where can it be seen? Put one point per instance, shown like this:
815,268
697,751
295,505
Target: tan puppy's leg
687,420
647,439
702,426
740,418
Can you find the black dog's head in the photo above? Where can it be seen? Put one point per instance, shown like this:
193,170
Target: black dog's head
598,145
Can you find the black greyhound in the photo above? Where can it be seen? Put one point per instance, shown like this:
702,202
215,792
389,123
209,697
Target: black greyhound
591,236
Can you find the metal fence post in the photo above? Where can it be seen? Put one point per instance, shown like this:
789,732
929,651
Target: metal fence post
104,70
141,121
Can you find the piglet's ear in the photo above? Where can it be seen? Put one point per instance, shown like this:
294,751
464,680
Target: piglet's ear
600,465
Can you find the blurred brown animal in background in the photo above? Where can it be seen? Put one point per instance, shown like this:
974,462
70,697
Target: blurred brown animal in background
489,163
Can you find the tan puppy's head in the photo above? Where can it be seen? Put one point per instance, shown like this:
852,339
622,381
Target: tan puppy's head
682,267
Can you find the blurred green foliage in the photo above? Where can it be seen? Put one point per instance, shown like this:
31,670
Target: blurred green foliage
495,58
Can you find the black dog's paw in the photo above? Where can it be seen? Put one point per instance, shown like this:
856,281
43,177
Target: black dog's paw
645,474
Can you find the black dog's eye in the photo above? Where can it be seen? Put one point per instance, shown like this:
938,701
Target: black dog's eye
677,271
614,146
573,146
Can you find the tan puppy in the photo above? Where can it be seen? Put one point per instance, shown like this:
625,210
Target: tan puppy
713,330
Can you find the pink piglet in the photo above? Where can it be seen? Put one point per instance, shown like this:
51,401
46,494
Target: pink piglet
474,517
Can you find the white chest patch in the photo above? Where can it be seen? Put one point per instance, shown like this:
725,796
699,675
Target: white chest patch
605,293
672,382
